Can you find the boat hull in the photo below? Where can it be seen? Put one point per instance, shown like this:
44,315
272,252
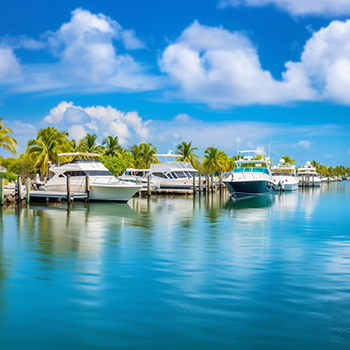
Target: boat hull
99,192
250,188
287,187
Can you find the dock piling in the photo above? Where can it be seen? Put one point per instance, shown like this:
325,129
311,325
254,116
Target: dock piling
68,190
87,187
194,183
200,183
28,190
2,195
19,189
149,185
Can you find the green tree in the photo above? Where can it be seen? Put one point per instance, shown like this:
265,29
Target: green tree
7,142
115,165
88,144
112,147
135,160
20,165
45,148
288,160
212,161
187,154
147,154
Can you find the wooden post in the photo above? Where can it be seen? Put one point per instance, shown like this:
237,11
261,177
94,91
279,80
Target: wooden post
19,189
313,180
303,180
2,194
212,182
194,183
68,190
87,187
200,183
149,185
28,189
208,184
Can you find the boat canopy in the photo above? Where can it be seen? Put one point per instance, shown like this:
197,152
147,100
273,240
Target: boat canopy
172,166
79,154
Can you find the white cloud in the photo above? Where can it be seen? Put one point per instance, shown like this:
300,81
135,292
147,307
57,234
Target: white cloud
77,132
222,68
182,118
131,42
22,41
213,65
261,149
326,60
88,59
56,113
129,126
297,7
250,144
303,144
9,65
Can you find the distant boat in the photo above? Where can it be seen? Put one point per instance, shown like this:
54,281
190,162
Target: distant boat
250,177
138,176
284,177
103,185
173,174
308,174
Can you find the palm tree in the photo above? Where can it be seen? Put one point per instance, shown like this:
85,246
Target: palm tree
147,153
112,146
288,160
7,142
187,153
88,144
134,151
212,161
45,148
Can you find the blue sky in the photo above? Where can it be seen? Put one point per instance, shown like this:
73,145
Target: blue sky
227,73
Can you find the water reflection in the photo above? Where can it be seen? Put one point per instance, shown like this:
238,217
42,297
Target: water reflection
203,269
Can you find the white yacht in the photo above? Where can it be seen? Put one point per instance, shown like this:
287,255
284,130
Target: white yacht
284,177
250,177
138,176
103,185
173,174
308,174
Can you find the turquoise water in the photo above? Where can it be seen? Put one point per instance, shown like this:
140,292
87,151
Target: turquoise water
179,273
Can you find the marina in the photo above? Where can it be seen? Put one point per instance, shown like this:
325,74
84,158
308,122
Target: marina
175,175
185,272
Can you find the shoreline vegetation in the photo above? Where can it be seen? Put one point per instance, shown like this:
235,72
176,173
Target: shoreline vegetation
43,150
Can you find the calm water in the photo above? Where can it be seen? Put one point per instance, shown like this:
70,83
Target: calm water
179,273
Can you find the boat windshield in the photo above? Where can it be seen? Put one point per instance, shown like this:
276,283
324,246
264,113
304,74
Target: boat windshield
250,170
134,173
87,172
179,174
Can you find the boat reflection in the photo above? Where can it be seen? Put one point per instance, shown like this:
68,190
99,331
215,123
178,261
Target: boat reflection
250,202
